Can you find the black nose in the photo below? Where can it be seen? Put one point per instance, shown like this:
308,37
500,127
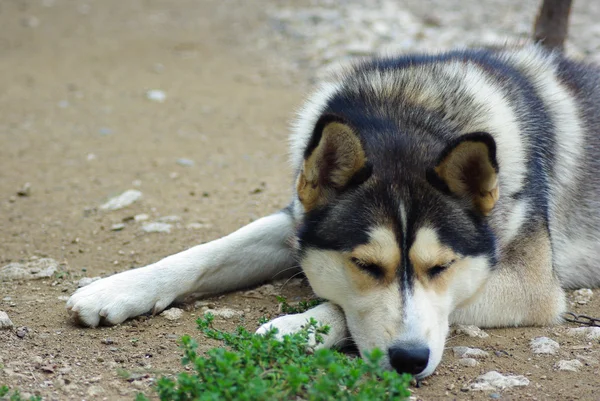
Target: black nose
409,359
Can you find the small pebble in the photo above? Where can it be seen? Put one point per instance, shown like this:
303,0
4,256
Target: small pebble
468,362
157,227
466,352
141,217
117,227
582,296
34,269
172,314
121,201
5,322
105,131
156,95
169,219
87,281
225,313
22,332
471,331
590,333
544,345
572,365
25,190
198,226
185,162
496,381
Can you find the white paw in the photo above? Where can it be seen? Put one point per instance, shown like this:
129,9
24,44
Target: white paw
289,324
114,299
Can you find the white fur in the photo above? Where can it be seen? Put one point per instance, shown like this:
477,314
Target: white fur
255,253
327,314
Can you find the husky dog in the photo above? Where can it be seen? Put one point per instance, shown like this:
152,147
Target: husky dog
429,190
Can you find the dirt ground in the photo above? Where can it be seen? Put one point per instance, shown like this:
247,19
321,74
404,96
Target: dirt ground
77,124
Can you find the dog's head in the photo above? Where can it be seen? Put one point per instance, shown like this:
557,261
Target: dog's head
398,250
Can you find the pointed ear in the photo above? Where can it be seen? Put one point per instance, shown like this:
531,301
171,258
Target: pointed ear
468,168
334,160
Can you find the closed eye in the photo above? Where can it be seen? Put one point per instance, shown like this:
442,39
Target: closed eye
371,268
438,269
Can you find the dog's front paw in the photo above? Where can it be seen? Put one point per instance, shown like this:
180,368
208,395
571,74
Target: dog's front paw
289,324
114,299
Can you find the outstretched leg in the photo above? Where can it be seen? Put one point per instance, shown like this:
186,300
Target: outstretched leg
327,314
255,253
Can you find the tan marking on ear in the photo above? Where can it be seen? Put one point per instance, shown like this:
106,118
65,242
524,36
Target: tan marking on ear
338,156
426,252
468,172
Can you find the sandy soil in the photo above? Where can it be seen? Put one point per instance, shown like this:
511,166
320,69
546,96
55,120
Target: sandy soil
75,123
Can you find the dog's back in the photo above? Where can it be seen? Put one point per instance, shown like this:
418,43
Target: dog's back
540,107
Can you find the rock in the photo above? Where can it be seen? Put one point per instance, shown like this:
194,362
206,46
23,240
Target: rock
87,281
34,269
172,314
25,190
156,227
590,333
169,219
572,365
588,360
94,391
141,217
185,162
105,131
469,362
107,341
117,227
22,332
125,199
466,352
582,296
225,313
5,322
156,95
493,380
471,331
544,345
198,226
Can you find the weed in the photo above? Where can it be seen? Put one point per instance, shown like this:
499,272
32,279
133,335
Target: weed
15,396
262,367
302,306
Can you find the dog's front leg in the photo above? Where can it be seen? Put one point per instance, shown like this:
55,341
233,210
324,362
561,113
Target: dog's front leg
253,254
326,314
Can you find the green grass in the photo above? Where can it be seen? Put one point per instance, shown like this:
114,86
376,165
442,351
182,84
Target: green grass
251,367
302,306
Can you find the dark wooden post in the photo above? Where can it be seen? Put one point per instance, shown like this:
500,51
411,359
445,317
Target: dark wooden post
552,23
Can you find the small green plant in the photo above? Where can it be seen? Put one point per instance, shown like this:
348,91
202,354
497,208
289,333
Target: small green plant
263,367
302,306
15,396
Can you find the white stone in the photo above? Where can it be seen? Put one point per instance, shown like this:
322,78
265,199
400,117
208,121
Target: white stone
172,314
117,227
198,226
169,219
185,162
590,333
544,345
496,381
156,227
125,199
156,95
141,217
572,365
582,296
466,352
471,331
224,313
5,322
468,362
87,281
34,269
